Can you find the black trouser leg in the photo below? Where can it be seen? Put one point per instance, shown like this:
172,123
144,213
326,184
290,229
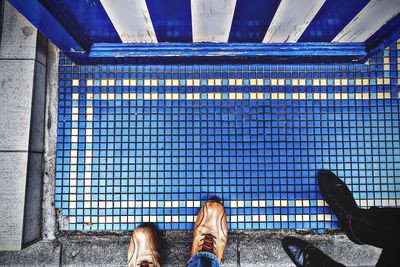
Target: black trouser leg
379,227
389,257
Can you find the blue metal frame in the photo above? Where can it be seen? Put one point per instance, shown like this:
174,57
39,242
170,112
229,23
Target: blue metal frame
56,22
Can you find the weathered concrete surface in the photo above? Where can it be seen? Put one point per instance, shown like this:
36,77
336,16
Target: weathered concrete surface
249,248
38,254
12,198
22,110
50,228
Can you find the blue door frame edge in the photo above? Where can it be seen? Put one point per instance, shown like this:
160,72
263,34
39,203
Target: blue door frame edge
58,25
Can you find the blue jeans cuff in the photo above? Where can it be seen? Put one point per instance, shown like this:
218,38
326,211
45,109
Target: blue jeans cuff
197,258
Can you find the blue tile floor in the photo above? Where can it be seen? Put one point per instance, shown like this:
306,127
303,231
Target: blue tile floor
150,143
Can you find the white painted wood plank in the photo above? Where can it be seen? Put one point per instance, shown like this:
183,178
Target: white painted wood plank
291,20
370,19
131,20
212,20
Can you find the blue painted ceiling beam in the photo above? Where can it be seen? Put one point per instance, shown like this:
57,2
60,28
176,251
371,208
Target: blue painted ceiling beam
284,53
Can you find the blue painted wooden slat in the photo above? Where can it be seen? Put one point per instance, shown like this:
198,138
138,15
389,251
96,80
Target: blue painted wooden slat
251,20
92,18
331,19
44,20
171,20
284,52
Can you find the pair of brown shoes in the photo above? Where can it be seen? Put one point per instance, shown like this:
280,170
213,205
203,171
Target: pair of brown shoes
210,234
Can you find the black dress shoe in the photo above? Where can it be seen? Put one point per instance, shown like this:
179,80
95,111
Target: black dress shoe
340,200
304,254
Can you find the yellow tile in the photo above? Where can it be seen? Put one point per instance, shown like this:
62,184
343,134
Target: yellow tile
321,203
103,82
365,95
89,117
75,82
103,96
75,96
189,82
253,95
281,82
274,82
168,82
147,96
175,82
345,96
189,96
387,95
239,96
386,67
358,81
253,82
365,81
232,95
386,60
132,96
277,203
358,96
274,96
125,82
295,82
132,82
260,96
147,82
125,96
323,96
239,82
89,110
387,81
196,96
379,81
89,96
168,96
302,82
337,82
281,96
398,81
284,203
316,82
89,82
210,82
302,96
284,218
175,96
111,96
323,82
154,82
210,96
337,96
111,82
295,95
196,82
260,82
344,82
217,96
218,82
306,203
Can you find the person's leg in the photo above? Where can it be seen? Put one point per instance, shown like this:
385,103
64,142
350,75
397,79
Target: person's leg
303,254
374,226
389,257
209,236
143,248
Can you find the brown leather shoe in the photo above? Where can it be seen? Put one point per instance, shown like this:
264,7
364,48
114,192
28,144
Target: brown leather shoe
143,249
210,230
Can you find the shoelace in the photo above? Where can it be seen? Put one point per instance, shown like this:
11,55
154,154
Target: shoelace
145,264
208,242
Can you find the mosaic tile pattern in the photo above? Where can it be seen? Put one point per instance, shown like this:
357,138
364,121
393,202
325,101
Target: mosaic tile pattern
152,143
